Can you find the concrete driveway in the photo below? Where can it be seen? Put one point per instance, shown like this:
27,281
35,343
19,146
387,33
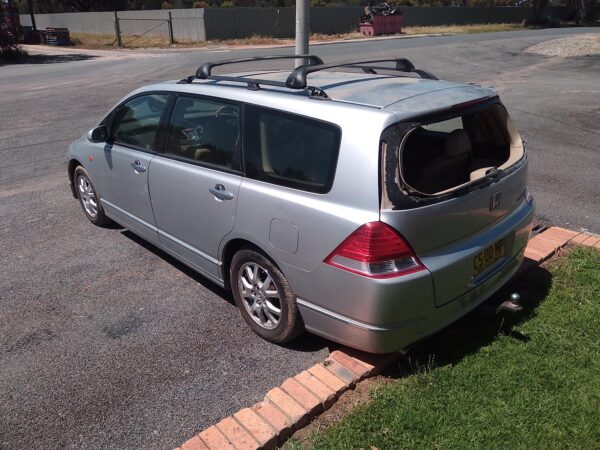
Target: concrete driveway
105,341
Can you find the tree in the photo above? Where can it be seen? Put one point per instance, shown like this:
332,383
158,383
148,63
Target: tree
588,12
9,50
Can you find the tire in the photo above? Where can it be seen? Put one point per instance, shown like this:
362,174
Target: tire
88,197
259,304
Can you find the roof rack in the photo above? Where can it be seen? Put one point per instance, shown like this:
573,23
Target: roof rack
204,72
297,79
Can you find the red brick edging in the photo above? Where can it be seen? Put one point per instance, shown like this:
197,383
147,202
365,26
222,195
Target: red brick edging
291,406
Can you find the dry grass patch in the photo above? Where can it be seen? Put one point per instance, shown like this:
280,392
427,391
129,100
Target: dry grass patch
108,41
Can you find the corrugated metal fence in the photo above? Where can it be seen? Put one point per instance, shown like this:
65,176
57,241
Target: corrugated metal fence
196,25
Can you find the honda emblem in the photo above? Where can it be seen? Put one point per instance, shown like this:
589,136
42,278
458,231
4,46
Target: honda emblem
495,201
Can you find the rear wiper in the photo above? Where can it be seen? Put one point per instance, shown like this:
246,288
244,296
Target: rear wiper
493,172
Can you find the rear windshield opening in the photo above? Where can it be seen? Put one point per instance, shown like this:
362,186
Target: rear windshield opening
441,156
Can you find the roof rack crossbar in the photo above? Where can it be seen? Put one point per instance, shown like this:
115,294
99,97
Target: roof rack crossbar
297,79
252,82
205,70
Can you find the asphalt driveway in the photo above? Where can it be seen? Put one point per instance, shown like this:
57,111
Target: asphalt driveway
105,341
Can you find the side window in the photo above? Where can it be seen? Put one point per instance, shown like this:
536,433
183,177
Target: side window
204,130
136,122
290,150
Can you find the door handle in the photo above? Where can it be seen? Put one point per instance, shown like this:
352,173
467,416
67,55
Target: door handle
219,192
138,166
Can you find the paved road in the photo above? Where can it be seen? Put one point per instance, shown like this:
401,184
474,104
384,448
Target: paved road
107,342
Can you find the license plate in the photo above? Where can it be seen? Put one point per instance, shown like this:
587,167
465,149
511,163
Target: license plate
488,256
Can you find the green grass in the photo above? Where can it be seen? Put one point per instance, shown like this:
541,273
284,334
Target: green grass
490,384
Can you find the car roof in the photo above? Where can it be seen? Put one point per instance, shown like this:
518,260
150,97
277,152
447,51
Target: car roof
376,90
402,95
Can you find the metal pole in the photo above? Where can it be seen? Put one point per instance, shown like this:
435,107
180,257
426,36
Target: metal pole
302,27
171,38
11,14
30,7
118,31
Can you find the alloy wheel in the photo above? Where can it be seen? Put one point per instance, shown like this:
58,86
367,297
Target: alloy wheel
260,295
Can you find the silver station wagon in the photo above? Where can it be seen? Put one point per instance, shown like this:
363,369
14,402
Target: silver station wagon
366,201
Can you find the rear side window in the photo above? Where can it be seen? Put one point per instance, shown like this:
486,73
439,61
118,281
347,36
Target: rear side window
136,122
290,150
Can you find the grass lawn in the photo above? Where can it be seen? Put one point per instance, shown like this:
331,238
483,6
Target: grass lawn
487,383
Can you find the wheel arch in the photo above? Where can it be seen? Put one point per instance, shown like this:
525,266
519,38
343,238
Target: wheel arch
73,164
234,245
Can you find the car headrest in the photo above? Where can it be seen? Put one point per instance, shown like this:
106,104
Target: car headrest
457,143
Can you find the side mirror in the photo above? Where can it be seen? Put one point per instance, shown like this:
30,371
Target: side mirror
98,134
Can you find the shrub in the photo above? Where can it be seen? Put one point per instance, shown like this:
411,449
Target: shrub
200,4
9,50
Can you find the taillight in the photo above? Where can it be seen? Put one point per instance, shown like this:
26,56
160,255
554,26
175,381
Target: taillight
375,250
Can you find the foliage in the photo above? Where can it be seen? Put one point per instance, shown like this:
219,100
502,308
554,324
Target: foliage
166,5
9,50
199,4
589,12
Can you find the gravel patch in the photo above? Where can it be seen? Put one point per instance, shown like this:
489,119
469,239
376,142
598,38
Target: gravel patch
580,45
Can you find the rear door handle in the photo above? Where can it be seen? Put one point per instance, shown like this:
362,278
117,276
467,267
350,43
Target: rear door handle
138,166
219,192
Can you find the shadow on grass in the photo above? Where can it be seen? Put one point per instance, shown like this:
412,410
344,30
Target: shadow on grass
481,326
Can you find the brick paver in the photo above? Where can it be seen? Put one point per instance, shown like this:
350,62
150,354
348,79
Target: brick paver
262,431
309,401
215,440
237,435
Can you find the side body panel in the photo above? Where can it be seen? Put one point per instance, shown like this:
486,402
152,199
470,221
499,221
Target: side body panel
192,222
124,189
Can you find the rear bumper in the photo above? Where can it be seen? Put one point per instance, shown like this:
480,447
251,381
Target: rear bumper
385,339
382,316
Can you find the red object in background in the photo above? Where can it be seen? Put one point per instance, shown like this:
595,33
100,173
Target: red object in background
382,25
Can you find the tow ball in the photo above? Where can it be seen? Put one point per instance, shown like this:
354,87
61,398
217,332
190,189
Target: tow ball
512,306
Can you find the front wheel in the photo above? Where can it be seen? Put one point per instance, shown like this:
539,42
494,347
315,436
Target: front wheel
264,297
88,197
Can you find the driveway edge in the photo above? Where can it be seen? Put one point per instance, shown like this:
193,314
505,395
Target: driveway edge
292,405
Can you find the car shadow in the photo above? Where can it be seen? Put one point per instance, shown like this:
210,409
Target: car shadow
466,336
214,288
54,59
307,343
480,327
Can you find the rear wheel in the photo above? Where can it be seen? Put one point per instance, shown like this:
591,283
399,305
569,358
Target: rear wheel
264,297
88,197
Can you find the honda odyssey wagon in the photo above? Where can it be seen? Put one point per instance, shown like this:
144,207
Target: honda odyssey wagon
365,201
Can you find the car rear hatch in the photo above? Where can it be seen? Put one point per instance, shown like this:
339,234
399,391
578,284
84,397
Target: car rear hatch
454,185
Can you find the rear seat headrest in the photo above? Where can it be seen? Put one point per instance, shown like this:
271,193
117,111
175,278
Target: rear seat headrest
457,143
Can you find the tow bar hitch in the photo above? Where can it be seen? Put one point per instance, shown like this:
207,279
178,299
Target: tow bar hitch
512,306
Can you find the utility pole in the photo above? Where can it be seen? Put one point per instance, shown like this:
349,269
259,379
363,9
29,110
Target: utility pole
30,8
302,27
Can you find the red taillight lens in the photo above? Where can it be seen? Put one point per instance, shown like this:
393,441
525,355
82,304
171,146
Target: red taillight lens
375,250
